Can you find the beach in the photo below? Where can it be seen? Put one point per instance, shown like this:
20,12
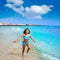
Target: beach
12,51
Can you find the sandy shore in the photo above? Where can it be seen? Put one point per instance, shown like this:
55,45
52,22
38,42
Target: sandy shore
8,52
11,51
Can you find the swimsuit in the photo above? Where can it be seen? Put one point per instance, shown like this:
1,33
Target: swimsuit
26,37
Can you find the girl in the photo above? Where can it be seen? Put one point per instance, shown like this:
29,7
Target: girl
26,35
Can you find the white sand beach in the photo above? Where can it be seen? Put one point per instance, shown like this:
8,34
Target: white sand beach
10,52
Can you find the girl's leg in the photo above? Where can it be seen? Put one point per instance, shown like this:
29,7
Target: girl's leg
28,48
23,49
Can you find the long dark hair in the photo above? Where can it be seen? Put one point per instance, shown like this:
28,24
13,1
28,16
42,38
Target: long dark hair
25,31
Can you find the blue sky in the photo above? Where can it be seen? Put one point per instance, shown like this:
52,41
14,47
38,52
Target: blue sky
43,12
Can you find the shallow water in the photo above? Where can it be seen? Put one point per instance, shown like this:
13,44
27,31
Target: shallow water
47,37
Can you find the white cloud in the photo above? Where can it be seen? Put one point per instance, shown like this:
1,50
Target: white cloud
19,10
38,9
15,2
34,12
16,5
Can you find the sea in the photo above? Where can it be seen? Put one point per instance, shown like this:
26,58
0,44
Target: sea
47,37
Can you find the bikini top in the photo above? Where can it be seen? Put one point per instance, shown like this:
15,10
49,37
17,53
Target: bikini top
26,37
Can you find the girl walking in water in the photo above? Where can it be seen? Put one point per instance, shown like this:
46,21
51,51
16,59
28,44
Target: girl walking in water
26,35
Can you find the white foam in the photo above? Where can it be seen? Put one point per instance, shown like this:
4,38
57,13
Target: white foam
50,57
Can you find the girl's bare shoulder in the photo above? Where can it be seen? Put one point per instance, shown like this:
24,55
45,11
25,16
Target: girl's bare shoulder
29,35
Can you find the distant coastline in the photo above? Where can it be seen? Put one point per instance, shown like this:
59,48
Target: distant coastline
10,24
7,24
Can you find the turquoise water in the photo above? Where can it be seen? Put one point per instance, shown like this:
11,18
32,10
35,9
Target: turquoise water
47,37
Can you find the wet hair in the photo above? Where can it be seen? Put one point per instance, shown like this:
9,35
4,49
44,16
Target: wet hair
25,31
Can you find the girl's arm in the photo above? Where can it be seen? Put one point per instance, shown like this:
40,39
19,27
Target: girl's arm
32,39
18,38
